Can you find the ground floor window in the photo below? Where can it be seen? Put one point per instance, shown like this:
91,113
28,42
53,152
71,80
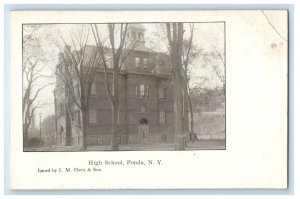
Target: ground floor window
162,117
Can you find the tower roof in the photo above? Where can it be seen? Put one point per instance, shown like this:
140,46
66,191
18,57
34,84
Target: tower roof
137,26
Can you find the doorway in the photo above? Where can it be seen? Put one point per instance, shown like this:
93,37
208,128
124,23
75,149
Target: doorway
143,130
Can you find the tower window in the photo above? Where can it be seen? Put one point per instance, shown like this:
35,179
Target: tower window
141,37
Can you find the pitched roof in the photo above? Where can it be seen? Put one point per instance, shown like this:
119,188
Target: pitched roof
143,48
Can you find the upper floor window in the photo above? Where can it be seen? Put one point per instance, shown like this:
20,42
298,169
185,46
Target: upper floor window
137,62
92,116
145,62
161,92
93,89
142,90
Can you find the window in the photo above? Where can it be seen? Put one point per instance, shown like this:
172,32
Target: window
137,91
137,62
92,116
162,117
143,109
142,90
145,62
93,89
161,92
147,90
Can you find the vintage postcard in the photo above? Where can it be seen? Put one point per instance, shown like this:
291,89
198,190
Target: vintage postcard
148,99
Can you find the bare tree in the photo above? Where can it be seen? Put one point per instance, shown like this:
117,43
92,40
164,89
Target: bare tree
214,60
175,39
219,69
119,49
190,53
33,65
77,71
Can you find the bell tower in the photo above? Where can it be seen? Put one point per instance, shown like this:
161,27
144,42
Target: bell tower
136,33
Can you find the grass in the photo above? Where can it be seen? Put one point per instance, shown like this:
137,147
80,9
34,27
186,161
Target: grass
209,123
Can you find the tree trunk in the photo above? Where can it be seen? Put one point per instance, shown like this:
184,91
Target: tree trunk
27,122
114,130
179,134
84,117
192,116
191,113
176,55
25,135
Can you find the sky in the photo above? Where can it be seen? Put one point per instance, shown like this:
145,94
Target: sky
207,36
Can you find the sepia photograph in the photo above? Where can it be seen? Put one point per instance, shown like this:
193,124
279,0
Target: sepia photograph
136,99
124,86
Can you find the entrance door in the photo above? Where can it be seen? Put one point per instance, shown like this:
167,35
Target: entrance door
143,130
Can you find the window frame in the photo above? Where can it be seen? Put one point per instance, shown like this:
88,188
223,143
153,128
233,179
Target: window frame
145,63
142,90
162,92
137,61
162,117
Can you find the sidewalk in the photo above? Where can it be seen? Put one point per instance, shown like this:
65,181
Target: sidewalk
156,146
